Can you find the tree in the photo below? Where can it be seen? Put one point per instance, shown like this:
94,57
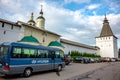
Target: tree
119,53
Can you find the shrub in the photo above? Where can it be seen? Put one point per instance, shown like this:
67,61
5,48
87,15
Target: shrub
76,54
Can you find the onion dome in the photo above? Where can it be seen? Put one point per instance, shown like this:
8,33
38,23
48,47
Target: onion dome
31,21
55,43
29,39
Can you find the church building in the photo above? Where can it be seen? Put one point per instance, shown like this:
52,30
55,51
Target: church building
10,31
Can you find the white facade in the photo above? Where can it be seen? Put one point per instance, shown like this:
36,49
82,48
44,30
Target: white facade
108,46
10,32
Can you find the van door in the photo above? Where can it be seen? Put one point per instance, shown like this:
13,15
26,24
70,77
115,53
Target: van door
52,59
3,56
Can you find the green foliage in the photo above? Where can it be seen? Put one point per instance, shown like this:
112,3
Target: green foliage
119,53
76,54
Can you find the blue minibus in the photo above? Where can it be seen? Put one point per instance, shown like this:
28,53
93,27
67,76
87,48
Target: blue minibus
22,58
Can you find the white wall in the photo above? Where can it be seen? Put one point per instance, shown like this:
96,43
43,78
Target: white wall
7,34
108,46
115,47
69,47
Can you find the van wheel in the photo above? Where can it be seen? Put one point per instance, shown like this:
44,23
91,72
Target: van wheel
59,68
27,72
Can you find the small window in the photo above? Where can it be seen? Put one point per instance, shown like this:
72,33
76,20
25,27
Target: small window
4,32
11,26
2,25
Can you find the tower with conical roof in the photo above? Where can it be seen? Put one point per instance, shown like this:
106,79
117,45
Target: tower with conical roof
107,41
31,21
40,20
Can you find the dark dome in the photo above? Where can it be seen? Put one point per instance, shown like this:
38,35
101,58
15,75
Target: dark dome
40,17
31,21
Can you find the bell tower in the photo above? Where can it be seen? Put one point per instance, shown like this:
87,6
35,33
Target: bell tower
107,41
40,23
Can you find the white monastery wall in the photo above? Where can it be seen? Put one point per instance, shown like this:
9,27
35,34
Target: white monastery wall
10,33
69,47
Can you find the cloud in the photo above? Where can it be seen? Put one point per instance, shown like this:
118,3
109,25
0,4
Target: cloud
113,5
11,5
77,1
93,6
71,25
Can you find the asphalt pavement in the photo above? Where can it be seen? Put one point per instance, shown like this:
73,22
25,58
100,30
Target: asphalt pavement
76,71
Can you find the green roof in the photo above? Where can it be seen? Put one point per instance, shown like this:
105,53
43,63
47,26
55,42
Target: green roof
29,39
55,43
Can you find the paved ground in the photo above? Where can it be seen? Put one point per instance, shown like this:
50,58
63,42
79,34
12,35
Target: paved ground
76,71
110,72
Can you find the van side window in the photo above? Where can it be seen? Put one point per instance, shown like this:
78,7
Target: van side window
29,53
3,50
42,54
16,52
61,54
57,54
51,54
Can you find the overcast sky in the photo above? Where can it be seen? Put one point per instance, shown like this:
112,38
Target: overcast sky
76,20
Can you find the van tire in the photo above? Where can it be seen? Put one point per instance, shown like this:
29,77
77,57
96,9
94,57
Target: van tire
59,68
27,72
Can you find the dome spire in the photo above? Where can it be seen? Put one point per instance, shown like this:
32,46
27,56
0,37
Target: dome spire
41,20
41,12
31,17
105,19
31,21
105,16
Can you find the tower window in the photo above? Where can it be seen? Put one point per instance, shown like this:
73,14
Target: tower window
2,25
4,32
11,26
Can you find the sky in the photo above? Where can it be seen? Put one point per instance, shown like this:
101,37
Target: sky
76,20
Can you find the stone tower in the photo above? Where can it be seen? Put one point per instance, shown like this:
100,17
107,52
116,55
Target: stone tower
107,41
41,20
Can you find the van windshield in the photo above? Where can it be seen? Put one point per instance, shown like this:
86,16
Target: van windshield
3,49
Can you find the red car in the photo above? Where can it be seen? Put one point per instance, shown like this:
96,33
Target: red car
67,59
